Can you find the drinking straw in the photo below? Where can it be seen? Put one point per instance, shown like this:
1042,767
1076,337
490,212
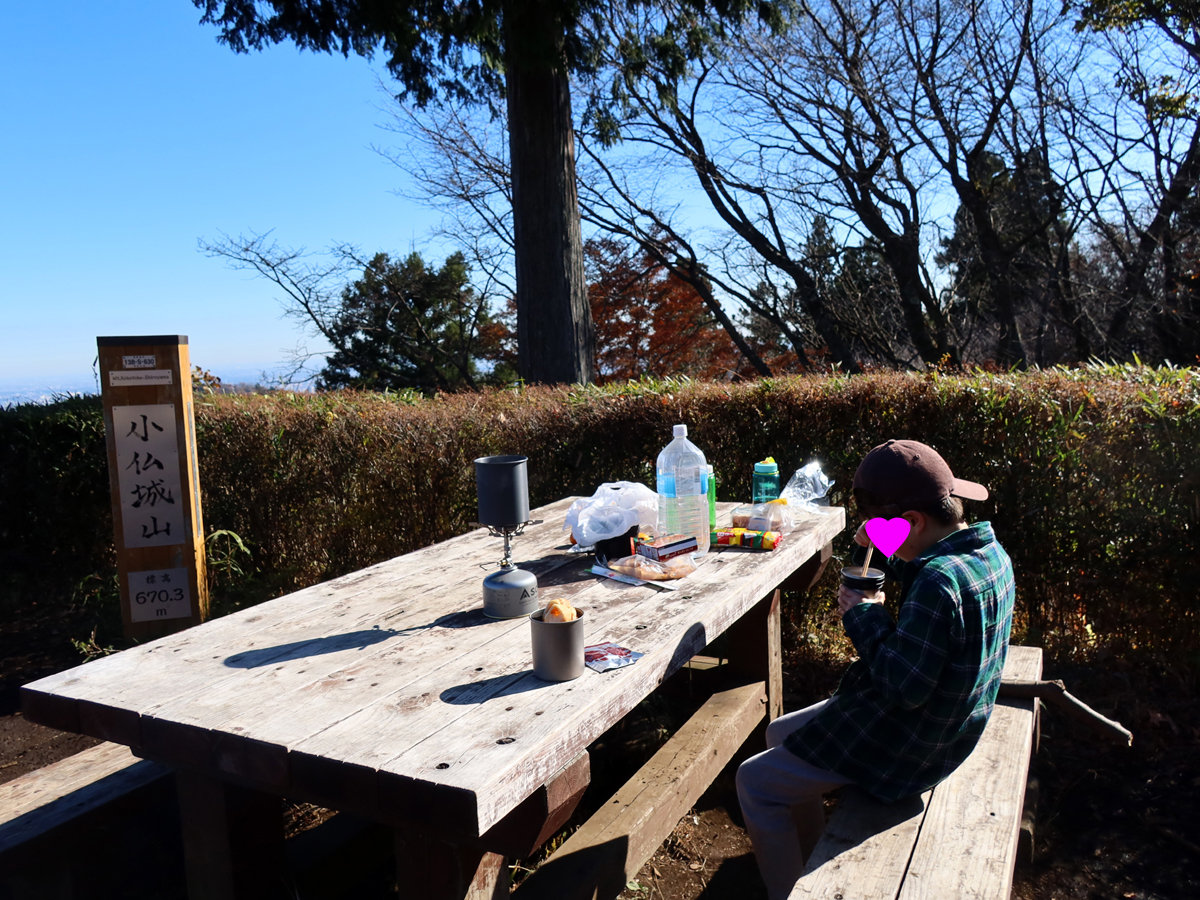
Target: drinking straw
867,561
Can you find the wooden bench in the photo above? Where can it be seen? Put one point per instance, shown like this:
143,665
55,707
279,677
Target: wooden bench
56,822
957,840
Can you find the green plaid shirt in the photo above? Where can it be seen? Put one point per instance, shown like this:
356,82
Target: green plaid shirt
911,708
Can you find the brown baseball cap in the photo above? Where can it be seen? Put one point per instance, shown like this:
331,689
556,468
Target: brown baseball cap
912,475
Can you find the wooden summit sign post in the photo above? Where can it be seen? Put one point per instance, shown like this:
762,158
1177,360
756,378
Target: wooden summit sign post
146,388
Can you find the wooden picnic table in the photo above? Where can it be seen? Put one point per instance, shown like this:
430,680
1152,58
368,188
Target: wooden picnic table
388,693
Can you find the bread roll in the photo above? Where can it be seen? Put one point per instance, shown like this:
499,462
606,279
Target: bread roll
560,611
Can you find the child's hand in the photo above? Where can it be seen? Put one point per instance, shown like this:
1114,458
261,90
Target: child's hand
860,536
848,598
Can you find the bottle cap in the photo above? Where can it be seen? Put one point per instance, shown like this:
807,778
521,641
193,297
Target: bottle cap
767,467
680,431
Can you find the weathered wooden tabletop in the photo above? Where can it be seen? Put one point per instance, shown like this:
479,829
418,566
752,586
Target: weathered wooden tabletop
388,691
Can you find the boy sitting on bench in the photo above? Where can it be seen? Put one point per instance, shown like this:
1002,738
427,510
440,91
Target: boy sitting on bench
911,708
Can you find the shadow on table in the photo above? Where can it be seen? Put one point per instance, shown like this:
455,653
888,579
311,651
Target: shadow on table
466,618
359,640
333,643
689,644
472,692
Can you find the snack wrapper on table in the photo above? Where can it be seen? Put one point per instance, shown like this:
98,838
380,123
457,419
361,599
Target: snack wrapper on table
744,537
774,515
602,657
647,569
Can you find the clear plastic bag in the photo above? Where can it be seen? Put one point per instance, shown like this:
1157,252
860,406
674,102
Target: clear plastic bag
807,488
638,566
599,523
611,511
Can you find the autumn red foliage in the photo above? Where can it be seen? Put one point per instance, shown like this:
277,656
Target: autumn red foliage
649,322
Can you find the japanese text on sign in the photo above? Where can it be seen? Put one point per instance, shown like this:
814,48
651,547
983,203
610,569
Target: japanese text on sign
148,475
159,594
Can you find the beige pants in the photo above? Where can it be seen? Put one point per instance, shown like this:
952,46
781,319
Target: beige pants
781,798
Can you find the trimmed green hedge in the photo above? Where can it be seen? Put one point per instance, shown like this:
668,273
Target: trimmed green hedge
55,507
1094,474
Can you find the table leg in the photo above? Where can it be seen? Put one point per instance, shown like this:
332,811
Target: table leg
755,651
540,815
806,577
232,840
428,869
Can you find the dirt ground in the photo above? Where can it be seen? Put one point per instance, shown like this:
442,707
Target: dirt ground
34,644
1112,822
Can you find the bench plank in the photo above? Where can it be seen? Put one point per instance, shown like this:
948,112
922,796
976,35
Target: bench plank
968,843
36,803
1023,664
958,840
865,849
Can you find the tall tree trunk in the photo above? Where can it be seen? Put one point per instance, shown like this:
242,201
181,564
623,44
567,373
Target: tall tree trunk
1176,322
1084,330
555,337
902,254
1010,346
997,257
814,304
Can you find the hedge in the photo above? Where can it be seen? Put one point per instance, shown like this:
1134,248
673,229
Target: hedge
1094,475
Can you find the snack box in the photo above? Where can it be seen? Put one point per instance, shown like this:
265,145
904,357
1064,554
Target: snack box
668,547
742,537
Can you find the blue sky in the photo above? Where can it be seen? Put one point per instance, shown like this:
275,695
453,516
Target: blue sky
129,134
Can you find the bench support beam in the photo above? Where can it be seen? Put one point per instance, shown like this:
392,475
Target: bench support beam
599,859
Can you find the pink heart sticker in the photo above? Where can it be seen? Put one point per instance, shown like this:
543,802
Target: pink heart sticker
888,534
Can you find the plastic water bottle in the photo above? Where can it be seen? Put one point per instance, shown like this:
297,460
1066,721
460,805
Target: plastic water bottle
683,491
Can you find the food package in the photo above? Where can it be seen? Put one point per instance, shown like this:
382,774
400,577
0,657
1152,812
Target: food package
560,611
743,537
602,657
773,515
638,566
741,516
668,547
